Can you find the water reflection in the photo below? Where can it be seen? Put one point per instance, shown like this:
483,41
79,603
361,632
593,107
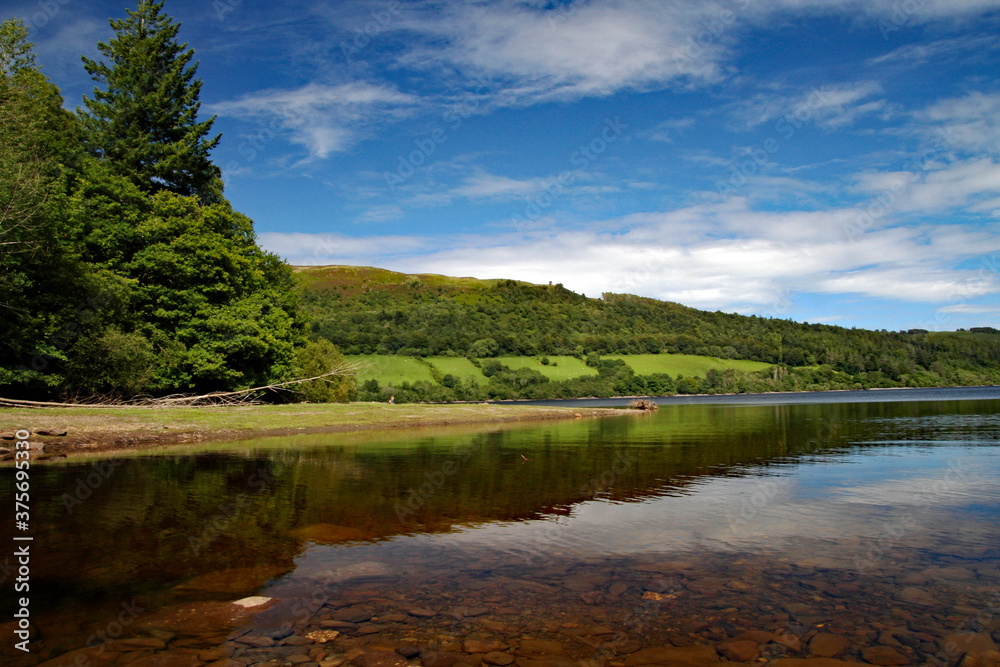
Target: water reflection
690,526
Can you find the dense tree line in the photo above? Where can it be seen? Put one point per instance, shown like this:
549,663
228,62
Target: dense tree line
123,269
512,318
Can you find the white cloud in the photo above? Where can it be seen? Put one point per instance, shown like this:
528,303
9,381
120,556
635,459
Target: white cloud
666,131
904,283
485,185
301,248
969,309
721,256
918,54
900,13
586,49
324,118
970,123
528,52
930,10
829,106
989,206
957,185
378,214
480,186
537,52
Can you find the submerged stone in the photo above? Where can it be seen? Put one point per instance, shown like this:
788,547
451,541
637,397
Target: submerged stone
884,655
828,645
917,596
200,618
738,651
540,647
673,655
498,659
482,646
168,659
812,662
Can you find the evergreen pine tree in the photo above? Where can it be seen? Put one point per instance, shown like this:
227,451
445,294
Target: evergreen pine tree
144,122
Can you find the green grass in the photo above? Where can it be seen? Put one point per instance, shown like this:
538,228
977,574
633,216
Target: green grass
141,426
460,367
389,369
566,368
263,417
684,364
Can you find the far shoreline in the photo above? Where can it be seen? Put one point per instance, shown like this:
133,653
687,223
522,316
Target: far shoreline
745,398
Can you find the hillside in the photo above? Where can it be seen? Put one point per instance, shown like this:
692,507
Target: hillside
369,311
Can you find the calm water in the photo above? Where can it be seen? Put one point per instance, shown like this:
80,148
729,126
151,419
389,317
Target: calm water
876,522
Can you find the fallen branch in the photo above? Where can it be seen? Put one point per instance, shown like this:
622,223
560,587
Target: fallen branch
241,397
16,403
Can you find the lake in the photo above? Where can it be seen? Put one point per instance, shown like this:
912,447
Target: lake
865,530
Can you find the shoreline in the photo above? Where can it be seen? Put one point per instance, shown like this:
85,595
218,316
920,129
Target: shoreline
58,433
800,392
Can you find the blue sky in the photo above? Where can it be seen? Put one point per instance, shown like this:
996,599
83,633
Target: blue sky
822,160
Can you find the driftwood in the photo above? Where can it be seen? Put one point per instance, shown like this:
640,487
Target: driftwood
241,397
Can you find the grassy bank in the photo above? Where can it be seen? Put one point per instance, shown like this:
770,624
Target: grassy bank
104,429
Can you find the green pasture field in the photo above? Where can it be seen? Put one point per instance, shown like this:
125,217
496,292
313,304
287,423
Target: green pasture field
460,367
684,364
565,368
388,369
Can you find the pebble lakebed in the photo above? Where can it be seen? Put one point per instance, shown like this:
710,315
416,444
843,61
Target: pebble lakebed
911,608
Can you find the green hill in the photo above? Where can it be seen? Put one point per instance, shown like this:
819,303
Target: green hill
370,311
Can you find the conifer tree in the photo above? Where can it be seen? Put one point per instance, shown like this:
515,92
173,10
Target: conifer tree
144,122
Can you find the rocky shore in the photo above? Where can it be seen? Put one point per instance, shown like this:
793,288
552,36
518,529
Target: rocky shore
630,612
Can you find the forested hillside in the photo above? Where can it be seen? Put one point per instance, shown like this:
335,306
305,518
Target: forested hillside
124,271
372,311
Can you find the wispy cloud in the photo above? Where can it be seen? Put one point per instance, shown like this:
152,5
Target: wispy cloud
829,106
916,12
541,51
481,186
971,122
912,55
380,214
969,309
486,185
586,49
310,249
324,119
940,187
667,130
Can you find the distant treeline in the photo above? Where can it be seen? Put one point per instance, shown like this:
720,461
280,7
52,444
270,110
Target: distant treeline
512,318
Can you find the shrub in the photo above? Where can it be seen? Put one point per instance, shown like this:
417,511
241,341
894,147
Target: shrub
317,358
